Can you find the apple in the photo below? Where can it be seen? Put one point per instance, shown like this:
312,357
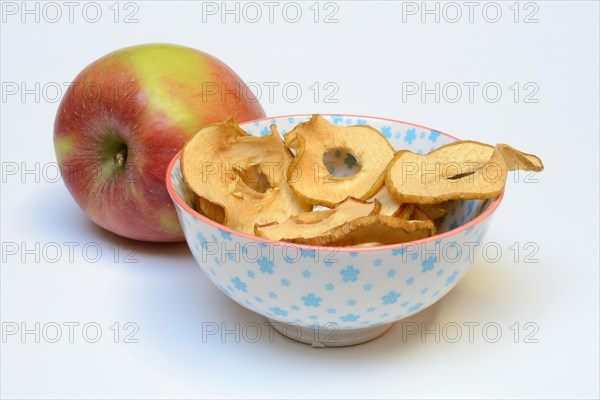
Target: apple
124,118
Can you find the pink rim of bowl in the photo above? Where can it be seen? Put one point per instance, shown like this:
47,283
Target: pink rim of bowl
485,214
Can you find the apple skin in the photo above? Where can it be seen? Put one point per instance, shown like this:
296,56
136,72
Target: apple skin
124,118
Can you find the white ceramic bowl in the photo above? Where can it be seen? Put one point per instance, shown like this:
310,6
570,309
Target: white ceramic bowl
336,296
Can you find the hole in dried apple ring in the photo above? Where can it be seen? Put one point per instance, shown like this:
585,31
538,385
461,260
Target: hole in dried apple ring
340,163
253,176
459,176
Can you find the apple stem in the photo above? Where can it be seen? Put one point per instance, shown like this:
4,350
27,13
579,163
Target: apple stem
120,158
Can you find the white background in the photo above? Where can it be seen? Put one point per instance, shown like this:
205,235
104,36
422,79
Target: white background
369,53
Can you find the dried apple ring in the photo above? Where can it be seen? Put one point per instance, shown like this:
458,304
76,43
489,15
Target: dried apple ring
462,170
310,178
210,210
405,211
435,211
351,223
314,223
239,178
389,205
391,208
420,215
380,228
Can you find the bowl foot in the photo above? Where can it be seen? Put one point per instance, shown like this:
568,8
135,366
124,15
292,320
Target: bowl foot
330,336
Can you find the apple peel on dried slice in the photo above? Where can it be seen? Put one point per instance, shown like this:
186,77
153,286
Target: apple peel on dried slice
310,178
461,170
239,179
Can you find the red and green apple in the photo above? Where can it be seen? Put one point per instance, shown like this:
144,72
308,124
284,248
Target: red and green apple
124,118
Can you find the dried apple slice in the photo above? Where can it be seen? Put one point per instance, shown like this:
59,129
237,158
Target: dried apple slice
420,215
368,244
389,205
352,222
405,211
461,170
239,179
382,229
517,160
309,177
435,211
314,223
210,210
